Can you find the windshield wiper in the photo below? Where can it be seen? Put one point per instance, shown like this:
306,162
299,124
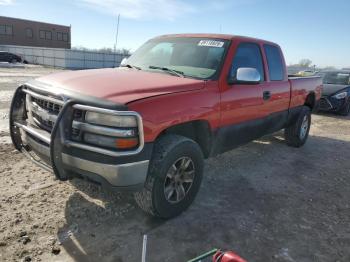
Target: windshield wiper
166,69
131,66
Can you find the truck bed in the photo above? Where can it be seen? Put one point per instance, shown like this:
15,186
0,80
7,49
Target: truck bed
301,86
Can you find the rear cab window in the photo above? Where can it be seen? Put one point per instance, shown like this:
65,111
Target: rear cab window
274,62
248,55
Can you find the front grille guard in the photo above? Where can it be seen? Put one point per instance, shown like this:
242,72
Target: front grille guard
61,132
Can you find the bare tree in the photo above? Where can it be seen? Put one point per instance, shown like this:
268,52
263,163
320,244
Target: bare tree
305,62
107,50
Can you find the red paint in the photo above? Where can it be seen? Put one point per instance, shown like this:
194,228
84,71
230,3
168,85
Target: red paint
228,256
164,100
121,84
222,104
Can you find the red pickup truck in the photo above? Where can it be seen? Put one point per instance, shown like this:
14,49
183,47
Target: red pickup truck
148,125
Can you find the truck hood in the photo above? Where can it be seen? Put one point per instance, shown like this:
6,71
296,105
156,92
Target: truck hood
330,89
120,85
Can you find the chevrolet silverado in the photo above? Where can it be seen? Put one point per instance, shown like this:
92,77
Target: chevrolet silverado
148,125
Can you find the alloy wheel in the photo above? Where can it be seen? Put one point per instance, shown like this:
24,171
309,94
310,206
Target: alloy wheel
304,127
179,180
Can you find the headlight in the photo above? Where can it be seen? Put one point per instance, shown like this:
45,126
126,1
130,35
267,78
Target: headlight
110,120
126,123
341,95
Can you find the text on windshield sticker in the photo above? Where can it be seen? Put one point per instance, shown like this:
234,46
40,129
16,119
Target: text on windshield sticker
212,43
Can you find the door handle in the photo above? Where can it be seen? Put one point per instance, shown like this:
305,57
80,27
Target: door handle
266,95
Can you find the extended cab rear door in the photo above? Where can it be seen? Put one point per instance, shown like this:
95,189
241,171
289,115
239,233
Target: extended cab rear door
242,114
276,90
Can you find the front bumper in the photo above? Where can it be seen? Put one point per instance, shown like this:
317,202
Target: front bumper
67,158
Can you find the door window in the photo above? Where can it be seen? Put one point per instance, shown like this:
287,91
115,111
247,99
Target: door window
248,55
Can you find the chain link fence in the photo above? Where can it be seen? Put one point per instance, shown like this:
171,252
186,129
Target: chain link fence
65,58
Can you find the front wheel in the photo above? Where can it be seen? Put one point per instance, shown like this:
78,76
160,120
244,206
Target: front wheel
297,134
174,177
345,109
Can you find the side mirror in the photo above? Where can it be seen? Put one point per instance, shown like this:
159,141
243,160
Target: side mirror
124,61
245,75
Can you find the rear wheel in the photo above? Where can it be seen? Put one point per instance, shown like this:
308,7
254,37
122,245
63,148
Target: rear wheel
345,109
174,177
297,134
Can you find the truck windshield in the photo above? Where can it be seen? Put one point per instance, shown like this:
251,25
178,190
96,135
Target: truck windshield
188,57
336,78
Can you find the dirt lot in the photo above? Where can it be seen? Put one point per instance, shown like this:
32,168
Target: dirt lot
266,201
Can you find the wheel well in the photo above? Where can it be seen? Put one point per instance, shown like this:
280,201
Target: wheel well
310,100
198,130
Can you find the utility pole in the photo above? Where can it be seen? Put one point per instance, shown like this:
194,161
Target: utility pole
116,41
116,35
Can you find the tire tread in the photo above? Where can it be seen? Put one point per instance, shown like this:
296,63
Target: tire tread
291,133
163,146
346,109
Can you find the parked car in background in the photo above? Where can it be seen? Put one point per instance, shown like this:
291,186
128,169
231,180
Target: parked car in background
307,73
11,58
149,125
336,92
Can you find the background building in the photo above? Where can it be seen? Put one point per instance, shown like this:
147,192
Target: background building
14,31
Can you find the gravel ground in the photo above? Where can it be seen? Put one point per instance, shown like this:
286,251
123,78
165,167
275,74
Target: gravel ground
266,201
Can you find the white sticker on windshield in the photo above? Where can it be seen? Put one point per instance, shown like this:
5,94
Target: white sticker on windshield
212,43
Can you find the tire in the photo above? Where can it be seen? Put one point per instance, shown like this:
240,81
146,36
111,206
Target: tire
297,134
170,151
13,61
345,109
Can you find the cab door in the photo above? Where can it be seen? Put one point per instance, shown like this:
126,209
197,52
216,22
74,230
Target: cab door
242,114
